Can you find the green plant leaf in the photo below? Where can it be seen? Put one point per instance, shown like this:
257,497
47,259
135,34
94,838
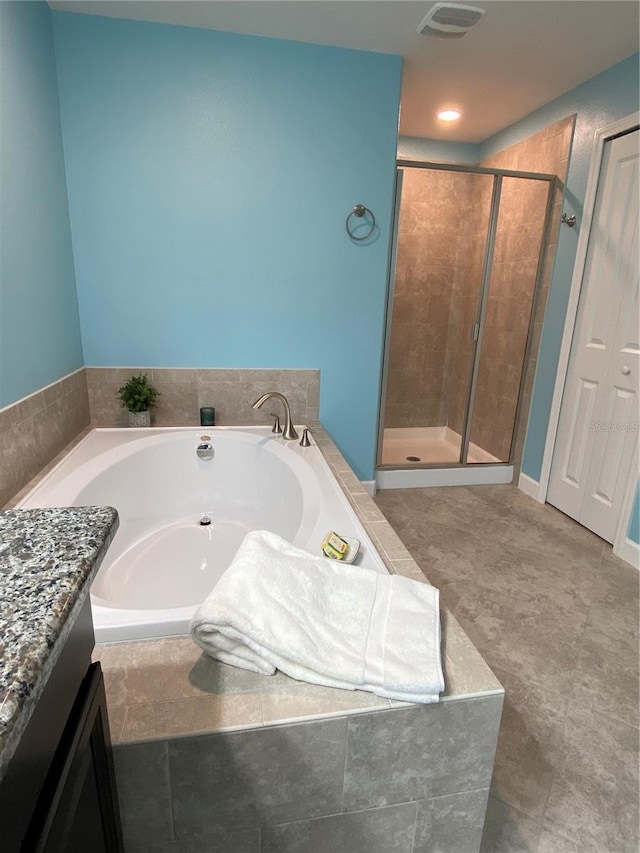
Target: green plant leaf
138,394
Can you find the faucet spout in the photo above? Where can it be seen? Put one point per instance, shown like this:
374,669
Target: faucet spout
289,431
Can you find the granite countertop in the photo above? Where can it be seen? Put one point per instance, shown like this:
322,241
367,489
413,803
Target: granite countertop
47,559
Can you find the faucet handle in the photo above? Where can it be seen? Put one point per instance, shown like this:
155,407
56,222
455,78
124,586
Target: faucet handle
276,424
304,441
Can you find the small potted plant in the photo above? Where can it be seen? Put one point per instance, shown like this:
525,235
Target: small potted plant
138,396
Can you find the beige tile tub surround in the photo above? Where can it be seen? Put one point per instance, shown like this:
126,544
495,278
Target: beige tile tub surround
292,766
231,391
209,757
40,429
36,428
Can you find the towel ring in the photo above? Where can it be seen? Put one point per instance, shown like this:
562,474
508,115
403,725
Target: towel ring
359,211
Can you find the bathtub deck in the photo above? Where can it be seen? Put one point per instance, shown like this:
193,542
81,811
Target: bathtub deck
169,688
293,766
158,689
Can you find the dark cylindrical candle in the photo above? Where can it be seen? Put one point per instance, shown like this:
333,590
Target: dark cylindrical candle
207,416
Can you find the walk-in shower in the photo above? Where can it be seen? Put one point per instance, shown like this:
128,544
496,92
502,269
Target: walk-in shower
467,262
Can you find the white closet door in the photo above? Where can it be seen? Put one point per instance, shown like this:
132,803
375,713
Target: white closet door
597,432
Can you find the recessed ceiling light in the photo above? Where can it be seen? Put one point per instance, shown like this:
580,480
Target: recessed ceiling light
449,115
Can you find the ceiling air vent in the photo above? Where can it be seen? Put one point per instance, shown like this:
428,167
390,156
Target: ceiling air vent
450,20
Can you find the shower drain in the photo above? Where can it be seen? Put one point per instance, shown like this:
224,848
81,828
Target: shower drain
414,459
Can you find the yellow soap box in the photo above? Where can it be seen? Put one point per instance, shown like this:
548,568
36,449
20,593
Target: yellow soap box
339,547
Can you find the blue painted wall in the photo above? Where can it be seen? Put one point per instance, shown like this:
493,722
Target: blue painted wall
209,177
634,523
39,325
598,102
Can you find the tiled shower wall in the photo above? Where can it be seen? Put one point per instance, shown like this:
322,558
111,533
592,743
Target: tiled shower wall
35,429
431,237
546,152
437,285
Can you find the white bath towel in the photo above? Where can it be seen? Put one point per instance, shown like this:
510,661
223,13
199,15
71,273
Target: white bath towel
319,620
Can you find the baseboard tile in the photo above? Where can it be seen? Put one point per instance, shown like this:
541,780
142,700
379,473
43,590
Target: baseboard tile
629,551
529,486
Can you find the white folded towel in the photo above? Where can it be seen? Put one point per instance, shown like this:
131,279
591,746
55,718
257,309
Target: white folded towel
319,620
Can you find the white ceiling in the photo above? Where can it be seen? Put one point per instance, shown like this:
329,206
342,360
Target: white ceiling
522,54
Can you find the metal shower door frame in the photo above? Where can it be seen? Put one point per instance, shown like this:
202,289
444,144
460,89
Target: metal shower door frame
498,175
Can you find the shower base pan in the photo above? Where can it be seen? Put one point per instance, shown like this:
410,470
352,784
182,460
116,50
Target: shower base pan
406,452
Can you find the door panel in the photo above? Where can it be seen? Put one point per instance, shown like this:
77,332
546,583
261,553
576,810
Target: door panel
595,443
585,400
608,460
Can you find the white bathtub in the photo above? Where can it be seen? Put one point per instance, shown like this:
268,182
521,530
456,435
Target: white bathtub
162,562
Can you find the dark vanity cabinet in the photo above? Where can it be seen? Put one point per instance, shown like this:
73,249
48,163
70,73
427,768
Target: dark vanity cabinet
59,795
77,809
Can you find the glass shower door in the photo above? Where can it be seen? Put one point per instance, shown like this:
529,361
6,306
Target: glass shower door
465,306
506,319
441,237
468,253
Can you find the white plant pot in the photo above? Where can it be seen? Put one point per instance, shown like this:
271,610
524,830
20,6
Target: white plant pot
140,419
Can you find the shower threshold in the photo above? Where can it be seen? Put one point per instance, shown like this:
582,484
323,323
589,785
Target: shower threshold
418,457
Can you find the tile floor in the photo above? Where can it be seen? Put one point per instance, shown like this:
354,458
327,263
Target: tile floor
555,615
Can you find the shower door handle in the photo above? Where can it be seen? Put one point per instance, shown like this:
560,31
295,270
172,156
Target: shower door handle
475,331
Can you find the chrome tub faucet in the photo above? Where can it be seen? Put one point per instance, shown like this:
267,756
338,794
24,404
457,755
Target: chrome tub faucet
289,431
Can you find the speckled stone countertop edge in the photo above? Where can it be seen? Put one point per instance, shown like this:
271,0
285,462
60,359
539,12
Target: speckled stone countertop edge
24,686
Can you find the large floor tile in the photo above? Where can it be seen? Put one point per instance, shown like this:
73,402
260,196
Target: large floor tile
554,585
556,616
506,830
554,842
594,796
617,581
606,679
530,744
518,635
142,780
615,616
589,810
